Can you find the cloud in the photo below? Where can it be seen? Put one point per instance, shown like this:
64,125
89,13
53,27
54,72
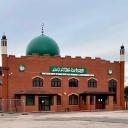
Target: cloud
81,28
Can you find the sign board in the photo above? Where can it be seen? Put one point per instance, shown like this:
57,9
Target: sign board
68,70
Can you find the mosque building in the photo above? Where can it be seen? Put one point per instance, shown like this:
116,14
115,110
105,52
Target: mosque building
45,81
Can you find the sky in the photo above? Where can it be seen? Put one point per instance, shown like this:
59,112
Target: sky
95,28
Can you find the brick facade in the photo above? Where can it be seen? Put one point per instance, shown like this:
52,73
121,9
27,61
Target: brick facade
19,84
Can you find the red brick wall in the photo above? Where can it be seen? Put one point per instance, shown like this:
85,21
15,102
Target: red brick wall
36,64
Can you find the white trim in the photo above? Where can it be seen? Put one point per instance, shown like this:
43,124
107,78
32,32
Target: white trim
3,49
65,74
73,78
92,78
112,79
122,57
37,77
56,77
59,94
73,94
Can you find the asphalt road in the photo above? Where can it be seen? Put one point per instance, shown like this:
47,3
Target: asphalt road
115,119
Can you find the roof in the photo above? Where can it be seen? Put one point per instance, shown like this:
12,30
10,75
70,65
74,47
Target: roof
34,92
96,93
42,45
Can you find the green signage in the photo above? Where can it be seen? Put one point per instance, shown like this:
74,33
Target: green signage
68,70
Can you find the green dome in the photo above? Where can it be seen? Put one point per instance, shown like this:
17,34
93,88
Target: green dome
42,45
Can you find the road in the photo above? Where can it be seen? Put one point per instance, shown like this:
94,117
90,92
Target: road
113,119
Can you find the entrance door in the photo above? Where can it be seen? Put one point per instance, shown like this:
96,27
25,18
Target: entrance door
44,103
100,101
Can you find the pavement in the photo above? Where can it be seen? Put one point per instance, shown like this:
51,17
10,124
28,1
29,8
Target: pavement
101,119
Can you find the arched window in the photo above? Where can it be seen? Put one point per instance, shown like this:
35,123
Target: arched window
73,82
58,100
92,83
37,82
73,99
112,84
56,82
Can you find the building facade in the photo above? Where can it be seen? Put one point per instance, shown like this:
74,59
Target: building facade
45,81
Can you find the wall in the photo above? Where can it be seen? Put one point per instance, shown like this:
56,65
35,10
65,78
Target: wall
36,64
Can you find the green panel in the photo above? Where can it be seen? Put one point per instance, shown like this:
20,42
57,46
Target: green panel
30,100
70,70
43,45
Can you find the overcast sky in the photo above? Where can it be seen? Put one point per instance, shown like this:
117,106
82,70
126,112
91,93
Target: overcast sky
95,28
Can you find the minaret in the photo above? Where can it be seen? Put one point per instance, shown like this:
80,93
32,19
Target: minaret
4,58
4,45
122,76
122,53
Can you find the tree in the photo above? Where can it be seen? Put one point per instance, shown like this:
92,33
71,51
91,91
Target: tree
126,95
126,91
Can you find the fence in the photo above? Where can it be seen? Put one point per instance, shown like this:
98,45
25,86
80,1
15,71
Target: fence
12,105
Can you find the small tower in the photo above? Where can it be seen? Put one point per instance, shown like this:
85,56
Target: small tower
4,45
122,76
122,53
4,67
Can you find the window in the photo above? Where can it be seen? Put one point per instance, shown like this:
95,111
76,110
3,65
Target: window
56,82
37,82
73,99
1,71
73,82
112,85
92,83
58,100
1,82
30,100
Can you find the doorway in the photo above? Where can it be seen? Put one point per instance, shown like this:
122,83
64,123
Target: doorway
44,103
100,101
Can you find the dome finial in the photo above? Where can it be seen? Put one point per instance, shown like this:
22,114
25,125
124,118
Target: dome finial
42,29
4,36
122,46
